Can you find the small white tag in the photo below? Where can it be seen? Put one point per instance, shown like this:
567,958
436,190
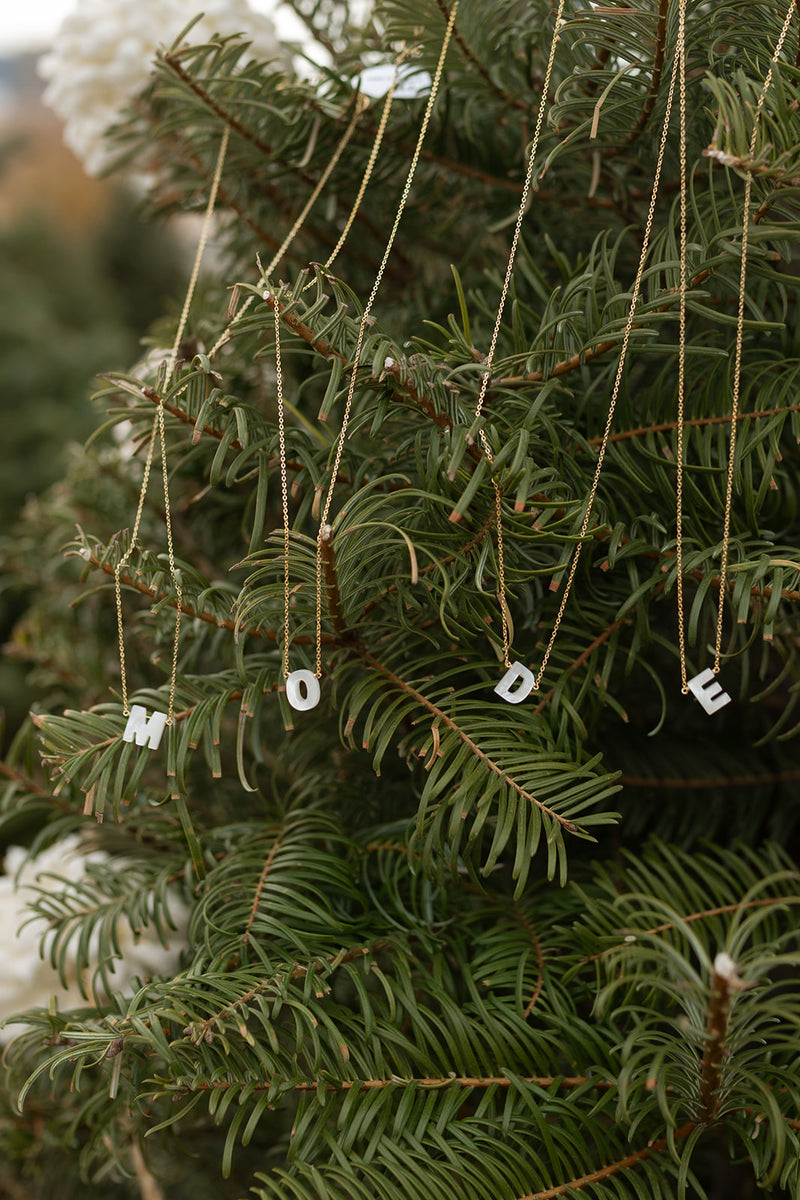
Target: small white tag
526,681
142,731
411,82
302,690
705,688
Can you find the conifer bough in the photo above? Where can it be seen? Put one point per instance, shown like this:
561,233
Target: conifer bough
390,986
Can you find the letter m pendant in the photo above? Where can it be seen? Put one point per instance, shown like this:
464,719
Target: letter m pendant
142,731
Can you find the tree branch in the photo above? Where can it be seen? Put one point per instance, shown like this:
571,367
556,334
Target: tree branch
491,765
725,982
666,426
699,916
655,83
472,58
612,1168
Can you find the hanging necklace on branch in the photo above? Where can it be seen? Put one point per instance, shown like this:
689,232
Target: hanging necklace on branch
139,728
302,685
519,681
704,686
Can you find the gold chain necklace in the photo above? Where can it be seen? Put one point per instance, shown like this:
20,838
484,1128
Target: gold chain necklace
302,685
704,686
139,728
519,681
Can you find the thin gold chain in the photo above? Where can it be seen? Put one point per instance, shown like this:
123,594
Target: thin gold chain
323,525
284,485
387,106
159,431
618,378
489,361
360,106
737,369
735,390
680,52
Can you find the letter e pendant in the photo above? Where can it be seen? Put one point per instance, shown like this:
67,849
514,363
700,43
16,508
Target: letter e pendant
708,692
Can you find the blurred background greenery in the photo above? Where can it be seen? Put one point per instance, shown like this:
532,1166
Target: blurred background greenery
81,278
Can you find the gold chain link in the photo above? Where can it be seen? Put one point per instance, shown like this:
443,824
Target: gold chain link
360,107
680,52
489,360
373,155
323,525
617,381
735,390
159,430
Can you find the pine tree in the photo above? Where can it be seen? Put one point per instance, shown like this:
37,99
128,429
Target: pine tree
442,945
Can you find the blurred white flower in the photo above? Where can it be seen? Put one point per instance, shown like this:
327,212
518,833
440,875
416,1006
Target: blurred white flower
103,54
27,980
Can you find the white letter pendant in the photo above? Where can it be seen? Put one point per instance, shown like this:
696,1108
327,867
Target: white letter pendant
141,730
523,689
302,690
704,687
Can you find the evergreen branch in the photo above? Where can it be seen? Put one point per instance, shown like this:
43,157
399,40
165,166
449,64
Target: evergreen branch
582,658
31,787
203,1031
520,915
399,1083
464,737
702,915
262,879
447,561
623,1164
171,60
472,58
188,610
327,351
334,598
725,980
186,418
752,167
313,29
177,146
711,782
659,56
625,434
589,355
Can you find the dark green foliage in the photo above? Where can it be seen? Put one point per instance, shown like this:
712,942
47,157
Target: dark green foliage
441,946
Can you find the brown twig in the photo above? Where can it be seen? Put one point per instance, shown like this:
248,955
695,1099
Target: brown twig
334,597
269,635
475,749
625,434
580,660
262,879
724,983
697,916
537,991
655,83
472,58
631,1160
431,1083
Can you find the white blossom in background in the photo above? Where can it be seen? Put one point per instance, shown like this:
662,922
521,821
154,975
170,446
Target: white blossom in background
27,980
103,54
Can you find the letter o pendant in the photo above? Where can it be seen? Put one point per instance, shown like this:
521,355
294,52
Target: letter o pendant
302,690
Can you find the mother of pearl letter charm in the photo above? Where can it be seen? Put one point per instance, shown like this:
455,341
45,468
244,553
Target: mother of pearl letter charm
302,690
704,687
524,688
